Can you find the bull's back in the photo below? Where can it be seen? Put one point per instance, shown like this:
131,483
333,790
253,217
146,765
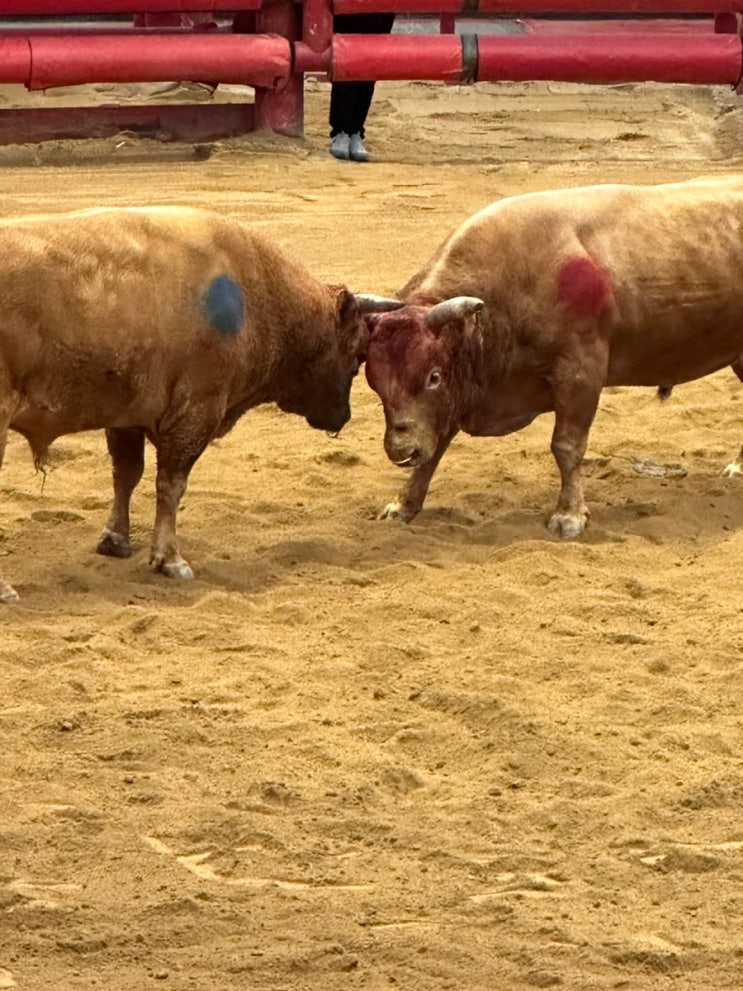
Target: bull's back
93,275
674,262
670,257
103,310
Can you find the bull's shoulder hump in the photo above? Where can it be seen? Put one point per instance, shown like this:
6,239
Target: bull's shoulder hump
547,199
107,232
606,193
96,217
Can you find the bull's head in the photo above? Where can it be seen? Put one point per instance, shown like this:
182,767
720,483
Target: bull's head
419,361
323,395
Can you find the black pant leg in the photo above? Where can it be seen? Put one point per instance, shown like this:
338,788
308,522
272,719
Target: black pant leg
363,23
350,102
349,106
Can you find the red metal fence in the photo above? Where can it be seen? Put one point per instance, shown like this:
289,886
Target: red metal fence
271,44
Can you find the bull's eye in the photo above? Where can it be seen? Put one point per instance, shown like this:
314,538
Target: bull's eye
434,379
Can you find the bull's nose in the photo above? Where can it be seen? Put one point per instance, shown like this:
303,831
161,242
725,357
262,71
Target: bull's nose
401,429
400,444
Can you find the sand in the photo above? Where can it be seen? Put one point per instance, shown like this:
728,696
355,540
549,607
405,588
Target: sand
354,754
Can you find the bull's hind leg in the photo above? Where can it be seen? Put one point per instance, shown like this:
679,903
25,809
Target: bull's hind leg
126,447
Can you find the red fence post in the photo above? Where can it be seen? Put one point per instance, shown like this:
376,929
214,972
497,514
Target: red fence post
726,23
317,24
281,110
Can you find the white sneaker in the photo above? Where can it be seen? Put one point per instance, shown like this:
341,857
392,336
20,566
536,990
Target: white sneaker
339,146
356,150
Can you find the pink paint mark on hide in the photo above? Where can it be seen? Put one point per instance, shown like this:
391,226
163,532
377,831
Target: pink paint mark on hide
583,286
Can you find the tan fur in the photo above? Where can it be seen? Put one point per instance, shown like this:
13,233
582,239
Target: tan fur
671,260
103,325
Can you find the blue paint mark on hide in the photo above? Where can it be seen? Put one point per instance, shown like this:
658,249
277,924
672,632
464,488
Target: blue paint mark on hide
224,305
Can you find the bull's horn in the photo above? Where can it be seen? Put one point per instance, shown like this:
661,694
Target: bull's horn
369,303
455,308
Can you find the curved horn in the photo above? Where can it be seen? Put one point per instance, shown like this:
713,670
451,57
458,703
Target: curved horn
456,308
369,303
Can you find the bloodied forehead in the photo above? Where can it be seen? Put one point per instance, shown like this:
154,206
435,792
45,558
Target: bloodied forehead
402,349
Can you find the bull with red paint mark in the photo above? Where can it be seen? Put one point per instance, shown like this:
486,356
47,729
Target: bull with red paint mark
538,302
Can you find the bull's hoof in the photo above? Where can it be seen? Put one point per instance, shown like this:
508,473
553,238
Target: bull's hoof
172,569
733,470
395,511
179,569
8,594
113,545
567,526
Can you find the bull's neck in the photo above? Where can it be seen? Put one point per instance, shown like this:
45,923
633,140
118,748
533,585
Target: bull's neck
489,362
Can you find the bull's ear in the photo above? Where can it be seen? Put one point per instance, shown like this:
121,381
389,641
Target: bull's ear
464,311
346,307
349,305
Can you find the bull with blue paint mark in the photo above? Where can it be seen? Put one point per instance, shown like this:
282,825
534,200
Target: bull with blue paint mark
539,301
164,324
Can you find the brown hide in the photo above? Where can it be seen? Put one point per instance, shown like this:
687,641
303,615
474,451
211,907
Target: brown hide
583,288
163,323
103,323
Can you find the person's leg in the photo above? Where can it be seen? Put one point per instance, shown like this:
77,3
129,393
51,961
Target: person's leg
350,101
349,106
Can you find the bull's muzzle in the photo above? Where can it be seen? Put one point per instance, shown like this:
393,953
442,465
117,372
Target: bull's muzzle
331,421
402,445
410,461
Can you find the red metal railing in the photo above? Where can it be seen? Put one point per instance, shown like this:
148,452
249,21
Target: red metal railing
66,60
286,39
545,7
711,59
469,8
54,8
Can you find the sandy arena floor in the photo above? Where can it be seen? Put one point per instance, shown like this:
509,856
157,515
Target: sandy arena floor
352,754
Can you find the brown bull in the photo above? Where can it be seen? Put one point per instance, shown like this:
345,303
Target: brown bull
166,324
539,301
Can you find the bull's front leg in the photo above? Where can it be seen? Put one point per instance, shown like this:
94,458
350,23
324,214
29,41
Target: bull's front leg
126,447
411,497
735,468
7,593
174,463
571,515
7,402
575,408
